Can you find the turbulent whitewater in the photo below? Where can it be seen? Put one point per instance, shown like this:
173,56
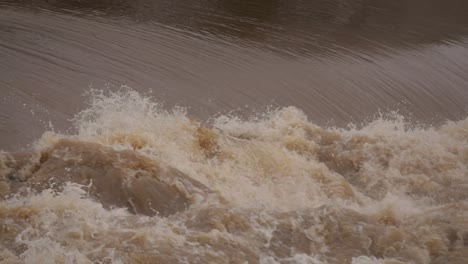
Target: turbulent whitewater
140,184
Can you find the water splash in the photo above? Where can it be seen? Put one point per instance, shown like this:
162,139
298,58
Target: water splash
276,189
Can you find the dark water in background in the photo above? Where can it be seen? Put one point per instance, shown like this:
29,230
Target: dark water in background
339,61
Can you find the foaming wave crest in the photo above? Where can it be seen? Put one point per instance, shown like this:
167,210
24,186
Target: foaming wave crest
140,184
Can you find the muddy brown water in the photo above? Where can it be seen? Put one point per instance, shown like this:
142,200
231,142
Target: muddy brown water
220,131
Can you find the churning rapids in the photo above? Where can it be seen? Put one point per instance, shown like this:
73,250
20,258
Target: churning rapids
273,155
139,184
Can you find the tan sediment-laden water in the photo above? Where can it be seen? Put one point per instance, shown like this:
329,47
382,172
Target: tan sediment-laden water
222,131
139,184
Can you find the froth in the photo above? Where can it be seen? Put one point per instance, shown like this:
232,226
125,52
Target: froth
288,191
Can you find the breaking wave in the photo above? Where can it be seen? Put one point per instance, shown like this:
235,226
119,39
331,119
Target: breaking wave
140,184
